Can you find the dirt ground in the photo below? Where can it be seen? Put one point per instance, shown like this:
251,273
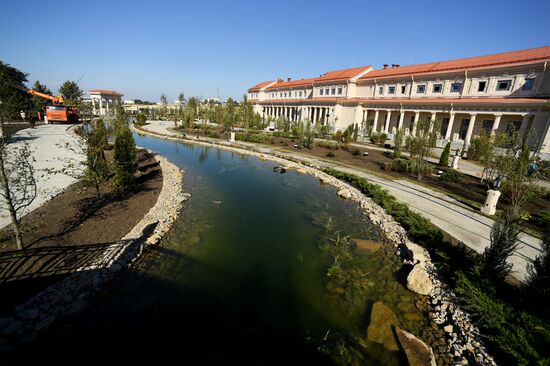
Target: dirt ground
75,218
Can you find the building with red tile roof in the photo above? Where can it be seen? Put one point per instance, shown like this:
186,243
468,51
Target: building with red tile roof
104,101
499,92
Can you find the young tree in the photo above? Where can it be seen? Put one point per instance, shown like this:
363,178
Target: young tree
141,118
398,142
537,284
163,99
504,241
70,91
124,151
97,170
421,146
444,158
355,131
181,98
308,135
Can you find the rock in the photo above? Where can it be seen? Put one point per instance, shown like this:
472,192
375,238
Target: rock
301,171
153,239
419,281
368,246
333,289
44,323
418,353
29,313
345,194
382,319
324,180
13,327
419,254
448,328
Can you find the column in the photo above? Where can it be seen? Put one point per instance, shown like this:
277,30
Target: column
432,122
387,123
375,123
101,107
524,126
415,123
545,140
470,130
401,118
450,127
314,115
496,123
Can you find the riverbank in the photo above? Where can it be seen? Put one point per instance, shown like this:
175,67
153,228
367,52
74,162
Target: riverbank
74,293
460,342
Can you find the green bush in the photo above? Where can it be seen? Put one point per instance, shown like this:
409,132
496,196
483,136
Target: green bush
356,152
400,166
331,145
254,137
382,138
444,159
473,150
330,154
141,118
451,176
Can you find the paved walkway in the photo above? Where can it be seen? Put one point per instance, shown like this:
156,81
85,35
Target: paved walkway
48,146
451,216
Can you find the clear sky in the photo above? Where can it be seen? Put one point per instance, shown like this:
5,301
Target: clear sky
145,48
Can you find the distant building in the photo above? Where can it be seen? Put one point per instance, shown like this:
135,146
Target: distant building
103,101
128,102
500,92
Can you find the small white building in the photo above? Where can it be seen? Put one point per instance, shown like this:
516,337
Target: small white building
103,101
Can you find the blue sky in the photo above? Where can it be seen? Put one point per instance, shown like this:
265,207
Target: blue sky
145,48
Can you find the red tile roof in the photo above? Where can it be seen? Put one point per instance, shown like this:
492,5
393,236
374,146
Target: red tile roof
344,74
291,84
259,86
499,59
490,101
103,91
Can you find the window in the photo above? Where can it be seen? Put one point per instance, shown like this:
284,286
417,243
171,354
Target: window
321,91
488,124
391,89
300,94
421,89
326,91
339,91
438,88
403,89
381,90
455,87
333,91
528,85
481,86
504,85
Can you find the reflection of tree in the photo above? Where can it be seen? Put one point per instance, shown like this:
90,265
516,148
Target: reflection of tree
203,154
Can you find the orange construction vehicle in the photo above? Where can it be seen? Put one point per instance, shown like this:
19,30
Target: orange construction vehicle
58,112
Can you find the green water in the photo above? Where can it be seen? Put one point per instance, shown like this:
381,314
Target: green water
242,277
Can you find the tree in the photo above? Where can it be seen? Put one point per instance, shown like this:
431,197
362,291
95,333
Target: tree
97,170
38,102
17,182
163,99
355,131
70,91
504,241
537,284
124,151
308,135
141,118
181,98
421,146
398,142
12,96
444,158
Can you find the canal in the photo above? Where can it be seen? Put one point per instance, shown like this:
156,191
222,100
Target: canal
260,268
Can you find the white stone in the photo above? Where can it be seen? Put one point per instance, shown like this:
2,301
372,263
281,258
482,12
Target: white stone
490,206
419,281
344,193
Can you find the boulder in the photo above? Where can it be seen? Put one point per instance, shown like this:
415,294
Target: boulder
419,254
369,246
345,194
418,353
382,319
419,281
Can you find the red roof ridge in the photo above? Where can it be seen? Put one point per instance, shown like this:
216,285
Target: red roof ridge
105,91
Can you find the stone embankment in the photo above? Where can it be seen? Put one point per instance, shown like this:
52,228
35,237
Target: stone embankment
73,293
461,344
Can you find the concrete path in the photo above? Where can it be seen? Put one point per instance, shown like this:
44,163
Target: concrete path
48,146
451,216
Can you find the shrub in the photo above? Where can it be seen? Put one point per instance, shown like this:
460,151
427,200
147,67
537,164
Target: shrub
124,157
444,159
473,150
382,138
400,165
398,141
141,118
356,152
331,145
451,176
330,154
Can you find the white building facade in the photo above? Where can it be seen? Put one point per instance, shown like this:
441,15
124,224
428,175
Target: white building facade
494,93
103,101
